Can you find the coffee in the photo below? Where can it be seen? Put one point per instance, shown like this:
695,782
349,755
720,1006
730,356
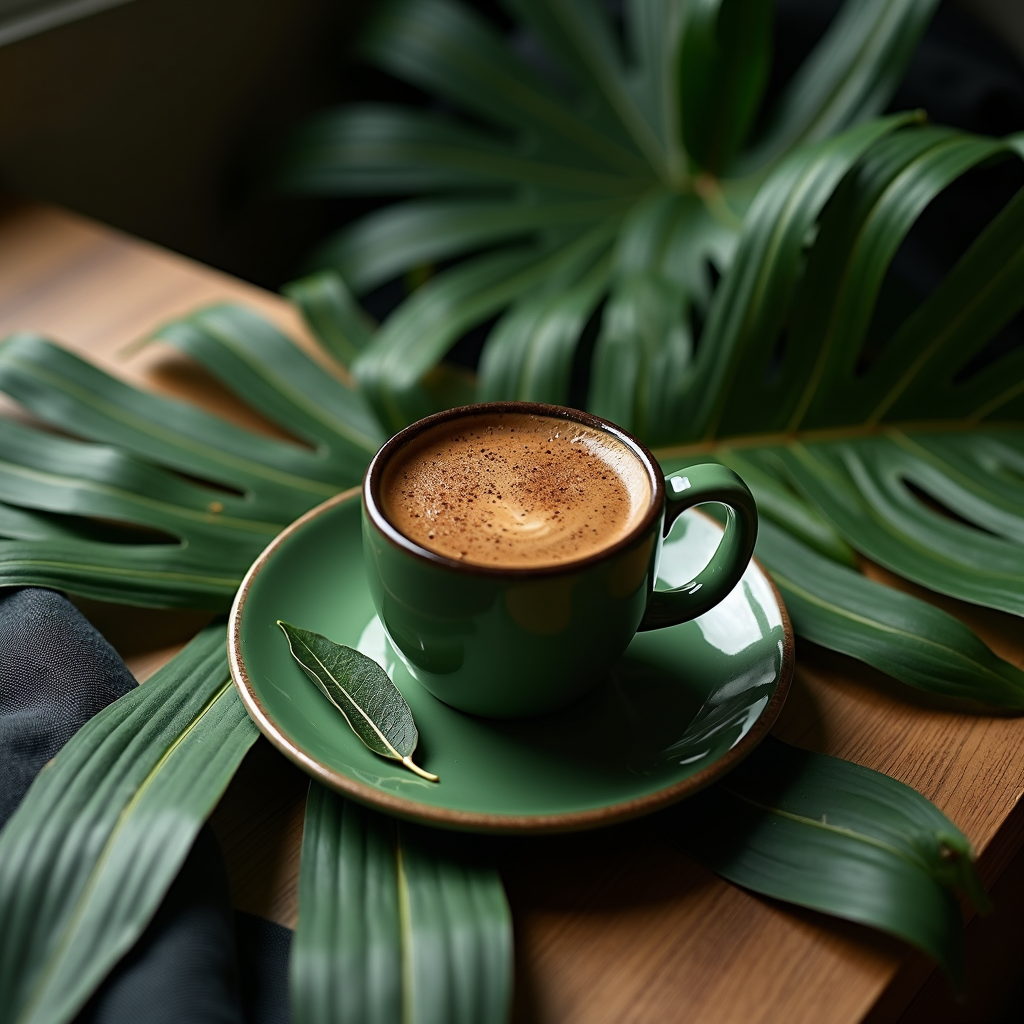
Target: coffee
515,490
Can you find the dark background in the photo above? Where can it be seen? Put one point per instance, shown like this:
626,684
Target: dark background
160,117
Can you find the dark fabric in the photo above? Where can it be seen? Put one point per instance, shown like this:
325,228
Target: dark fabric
184,968
56,672
264,949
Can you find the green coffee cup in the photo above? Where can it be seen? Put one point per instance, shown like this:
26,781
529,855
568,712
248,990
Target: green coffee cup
517,641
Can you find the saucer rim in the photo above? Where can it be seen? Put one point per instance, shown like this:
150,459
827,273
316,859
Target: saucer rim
476,821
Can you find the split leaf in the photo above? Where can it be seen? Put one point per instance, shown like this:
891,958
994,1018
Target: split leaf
361,690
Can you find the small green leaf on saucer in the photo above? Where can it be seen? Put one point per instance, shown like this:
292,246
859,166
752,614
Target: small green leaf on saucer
361,690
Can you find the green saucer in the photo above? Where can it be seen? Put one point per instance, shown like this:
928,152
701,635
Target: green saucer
683,705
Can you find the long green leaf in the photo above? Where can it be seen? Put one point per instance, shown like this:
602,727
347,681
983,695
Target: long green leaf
653,30
380,150
384,244
23,524
824,833
150,575
448,49
332,314
726,49
396,924
915,642
265,368
87,857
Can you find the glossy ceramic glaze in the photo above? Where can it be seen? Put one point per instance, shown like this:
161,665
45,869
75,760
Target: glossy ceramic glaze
518,642
680,708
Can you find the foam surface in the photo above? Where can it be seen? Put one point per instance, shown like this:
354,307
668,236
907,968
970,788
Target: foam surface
510,489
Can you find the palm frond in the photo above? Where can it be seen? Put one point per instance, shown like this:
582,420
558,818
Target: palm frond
600,121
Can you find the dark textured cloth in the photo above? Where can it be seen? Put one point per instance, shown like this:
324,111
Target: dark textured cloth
264,949
184,967
56,672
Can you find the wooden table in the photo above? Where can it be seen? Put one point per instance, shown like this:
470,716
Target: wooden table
611,926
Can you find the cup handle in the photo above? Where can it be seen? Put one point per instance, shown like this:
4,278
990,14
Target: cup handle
694,486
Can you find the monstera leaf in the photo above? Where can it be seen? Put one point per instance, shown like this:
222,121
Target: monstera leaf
582,158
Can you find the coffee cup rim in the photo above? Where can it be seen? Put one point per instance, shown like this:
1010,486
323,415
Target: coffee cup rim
374,472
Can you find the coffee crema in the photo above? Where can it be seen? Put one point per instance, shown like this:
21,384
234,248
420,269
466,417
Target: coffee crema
515,490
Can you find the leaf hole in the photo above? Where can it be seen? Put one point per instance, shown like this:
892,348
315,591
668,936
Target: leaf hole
777,359
209,485
697,311
117,532
937,506
105,531
1009,338
583,358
